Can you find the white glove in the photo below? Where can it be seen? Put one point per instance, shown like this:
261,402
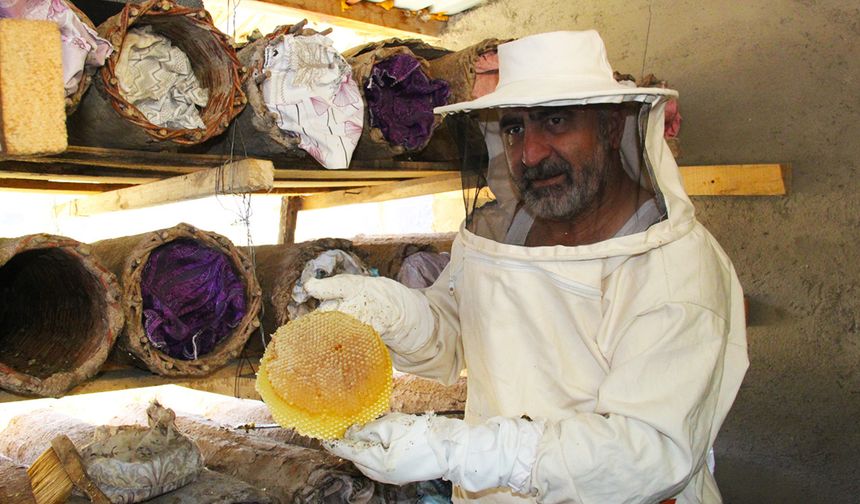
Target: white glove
400,448
400,315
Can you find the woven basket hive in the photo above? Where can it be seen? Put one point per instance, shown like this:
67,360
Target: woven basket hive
278,269
128,258
74,100
59,314
256,126
106,119
373,144
386,253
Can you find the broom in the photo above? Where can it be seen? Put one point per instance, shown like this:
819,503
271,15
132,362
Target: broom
57,471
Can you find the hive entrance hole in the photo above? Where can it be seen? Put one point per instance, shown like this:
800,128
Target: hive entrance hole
51,312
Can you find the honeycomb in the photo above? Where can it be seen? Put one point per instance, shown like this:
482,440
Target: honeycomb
324,372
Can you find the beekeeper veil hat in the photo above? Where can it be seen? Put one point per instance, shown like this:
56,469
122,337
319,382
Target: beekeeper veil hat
557,69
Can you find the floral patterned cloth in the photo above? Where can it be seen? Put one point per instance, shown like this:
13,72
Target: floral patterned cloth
313,94
132,463
157,78
401,98
81,45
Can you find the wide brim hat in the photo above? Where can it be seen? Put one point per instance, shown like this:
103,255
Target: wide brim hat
556,69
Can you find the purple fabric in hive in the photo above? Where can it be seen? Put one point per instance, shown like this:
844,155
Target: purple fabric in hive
401,100
192,299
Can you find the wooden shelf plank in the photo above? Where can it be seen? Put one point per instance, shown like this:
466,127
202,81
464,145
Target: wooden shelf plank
78,179
384,192
353,174
50,186
236,376
712,180
248,175
180,162
366,12
90,170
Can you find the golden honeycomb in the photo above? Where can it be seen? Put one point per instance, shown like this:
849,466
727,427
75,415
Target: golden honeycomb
324,372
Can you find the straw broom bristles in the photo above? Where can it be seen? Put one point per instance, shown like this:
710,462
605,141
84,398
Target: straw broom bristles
51,484
57,471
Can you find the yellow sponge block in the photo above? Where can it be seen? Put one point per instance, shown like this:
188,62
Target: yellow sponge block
324,372
32,96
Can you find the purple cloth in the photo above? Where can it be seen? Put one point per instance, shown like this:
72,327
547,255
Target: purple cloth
192,299
421,269
401,100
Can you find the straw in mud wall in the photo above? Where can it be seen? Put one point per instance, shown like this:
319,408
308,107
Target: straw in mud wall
190,297
400,93
112,115
59,314
301,99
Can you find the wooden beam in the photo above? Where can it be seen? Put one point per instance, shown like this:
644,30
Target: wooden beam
51,186
384,192
737,180
237,374
290,206
330,11
248,175
353,174
170,162
77,179
174,162
326,184
713,180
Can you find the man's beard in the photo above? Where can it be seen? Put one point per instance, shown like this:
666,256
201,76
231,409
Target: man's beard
566,199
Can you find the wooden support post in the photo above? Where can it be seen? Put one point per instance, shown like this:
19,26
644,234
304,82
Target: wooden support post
247,175
290,206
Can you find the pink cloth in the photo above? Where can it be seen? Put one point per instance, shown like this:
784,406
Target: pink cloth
672,122
313,94
486,74
81,44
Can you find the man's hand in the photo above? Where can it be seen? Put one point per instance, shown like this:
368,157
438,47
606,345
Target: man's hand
394,449
400,315
400,448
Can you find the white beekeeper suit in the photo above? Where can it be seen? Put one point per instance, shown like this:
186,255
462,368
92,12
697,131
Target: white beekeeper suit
626,353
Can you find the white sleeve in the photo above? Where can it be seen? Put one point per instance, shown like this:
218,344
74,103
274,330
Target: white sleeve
655,419
441,358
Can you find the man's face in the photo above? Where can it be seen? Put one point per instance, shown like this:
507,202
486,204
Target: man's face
558,157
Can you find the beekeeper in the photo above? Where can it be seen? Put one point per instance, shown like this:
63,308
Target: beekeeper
601,325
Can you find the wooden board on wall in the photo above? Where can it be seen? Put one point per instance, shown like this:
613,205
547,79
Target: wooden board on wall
737,180
711,180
